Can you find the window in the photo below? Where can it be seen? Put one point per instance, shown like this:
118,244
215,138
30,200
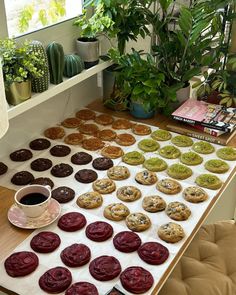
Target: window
27,16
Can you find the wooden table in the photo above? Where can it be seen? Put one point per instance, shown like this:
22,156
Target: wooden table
12,236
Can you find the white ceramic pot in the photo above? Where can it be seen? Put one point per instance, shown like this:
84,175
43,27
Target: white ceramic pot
88,50
182,95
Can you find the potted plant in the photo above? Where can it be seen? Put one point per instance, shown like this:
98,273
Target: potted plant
187,41
141,83
91,27
20,64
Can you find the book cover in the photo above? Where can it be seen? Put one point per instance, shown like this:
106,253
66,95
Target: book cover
188,130
206,114
211,131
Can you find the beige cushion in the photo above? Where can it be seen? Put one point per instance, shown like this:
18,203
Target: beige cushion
208,266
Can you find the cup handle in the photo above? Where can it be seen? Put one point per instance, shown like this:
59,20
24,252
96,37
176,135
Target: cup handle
48,187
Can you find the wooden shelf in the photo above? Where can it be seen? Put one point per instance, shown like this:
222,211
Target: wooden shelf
53,90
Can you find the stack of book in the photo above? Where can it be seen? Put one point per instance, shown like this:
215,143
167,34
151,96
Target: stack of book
207,121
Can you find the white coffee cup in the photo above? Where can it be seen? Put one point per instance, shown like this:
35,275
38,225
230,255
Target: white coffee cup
33,200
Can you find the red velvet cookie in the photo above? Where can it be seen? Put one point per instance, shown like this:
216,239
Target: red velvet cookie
82,288
105,268
20,264
55,280
127,241
72,221
99,231
76,255
45,242
136,279
153,253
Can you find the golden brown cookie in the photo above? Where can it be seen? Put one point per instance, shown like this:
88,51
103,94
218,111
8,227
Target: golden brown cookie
104,186
89,129
54,132
169,186
146,177
171,232
122,124
195,194
86,114
128,193
118,173
125,139
138,222
106,134
153,203
141,129
74,138
116,211
92,144
90,200
178,211
71,122
112,152
104,119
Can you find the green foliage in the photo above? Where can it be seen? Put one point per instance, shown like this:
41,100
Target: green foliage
95,25
46,15
138,77
20,62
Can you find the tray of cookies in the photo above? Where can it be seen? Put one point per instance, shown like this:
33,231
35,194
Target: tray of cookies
141,190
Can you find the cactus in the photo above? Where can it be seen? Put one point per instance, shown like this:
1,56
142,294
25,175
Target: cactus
73,65
40,84
55,55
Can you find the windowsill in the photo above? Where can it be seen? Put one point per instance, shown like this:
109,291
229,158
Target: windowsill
38,98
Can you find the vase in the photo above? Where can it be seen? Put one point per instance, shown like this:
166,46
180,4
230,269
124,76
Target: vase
88,49
108,82
137,110
17,92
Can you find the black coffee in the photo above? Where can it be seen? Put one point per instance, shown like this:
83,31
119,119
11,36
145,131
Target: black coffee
33,199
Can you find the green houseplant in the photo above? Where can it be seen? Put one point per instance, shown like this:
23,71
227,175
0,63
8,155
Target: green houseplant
141,83
91,27
20,64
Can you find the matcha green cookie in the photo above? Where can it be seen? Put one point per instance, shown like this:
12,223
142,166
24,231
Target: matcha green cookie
227,153
155,164
216,166
161,135
203,147
191,158
148,145
179,171
209,181
182,141
169,152
133,158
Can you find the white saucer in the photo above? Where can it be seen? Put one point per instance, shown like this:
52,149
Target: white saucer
17,217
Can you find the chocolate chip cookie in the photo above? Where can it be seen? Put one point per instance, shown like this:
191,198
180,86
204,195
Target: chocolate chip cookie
153,204
138,222
116,211
104,186
90,200
146,177
169,186
178,211
171,232
195,194
118,173
128,193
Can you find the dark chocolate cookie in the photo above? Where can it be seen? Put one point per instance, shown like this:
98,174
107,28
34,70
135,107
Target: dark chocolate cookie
105,268
86,175
45,242
76,255
55,280
41,164
63,194
43,181
82,288
39,144
136,279
81,158
153,253
102,163
60,150
3,168
20,264
61,170
99,231
127,241
22,178
21,155
72,221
